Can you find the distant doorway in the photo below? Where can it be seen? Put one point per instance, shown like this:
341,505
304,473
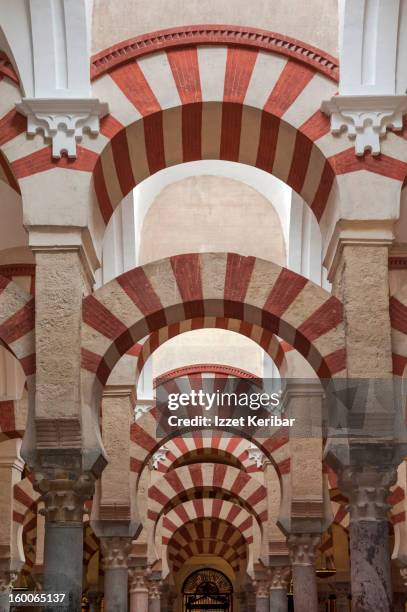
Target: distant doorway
207,590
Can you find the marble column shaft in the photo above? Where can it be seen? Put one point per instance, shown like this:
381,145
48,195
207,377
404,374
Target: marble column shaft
138,592
278,589
115,553
63,546
302,549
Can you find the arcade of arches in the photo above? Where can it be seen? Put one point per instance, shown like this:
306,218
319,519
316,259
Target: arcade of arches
190,195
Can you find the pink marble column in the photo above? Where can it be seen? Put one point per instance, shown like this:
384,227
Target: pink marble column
138,591
302,547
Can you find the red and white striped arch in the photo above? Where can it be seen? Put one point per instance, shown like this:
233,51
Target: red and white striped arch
234,555
215,102
144,443
198,444
207,92
264,338
227,522
229,285
210,536
227,511
208,476
25,500
17,323
249,100
12,124
398,319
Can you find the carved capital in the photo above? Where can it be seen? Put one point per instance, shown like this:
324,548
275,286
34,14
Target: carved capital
367,490
365,118
302,547
154,591
279,577
64,497
6,580
139,581
115,551
63,120
261,588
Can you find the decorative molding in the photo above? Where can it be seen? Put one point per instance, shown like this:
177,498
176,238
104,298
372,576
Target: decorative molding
58,433
7,68
114,512
205,368
365,118
398,263
142,407
256,455
159,456
63,120
209,34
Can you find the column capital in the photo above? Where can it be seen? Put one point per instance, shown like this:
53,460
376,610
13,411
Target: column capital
64,497
115,551
63,120
139,580
303,547
367,489
279,577
261,588
366,118
154,591
6,580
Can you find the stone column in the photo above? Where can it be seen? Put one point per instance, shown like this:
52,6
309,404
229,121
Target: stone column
367,488
6,580
138,591
63,547
154,597
262,596
115,553
302,547
278,589
11,559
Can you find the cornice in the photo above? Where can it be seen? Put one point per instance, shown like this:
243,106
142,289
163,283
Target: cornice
205,368
213,34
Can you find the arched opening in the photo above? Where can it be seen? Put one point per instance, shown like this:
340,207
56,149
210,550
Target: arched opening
207,589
